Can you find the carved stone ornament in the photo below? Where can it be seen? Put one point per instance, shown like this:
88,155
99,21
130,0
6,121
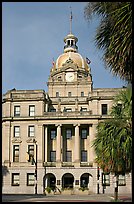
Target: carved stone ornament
30,140
68,61
16,140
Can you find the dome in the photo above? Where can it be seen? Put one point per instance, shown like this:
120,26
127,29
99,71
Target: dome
70,54
75,57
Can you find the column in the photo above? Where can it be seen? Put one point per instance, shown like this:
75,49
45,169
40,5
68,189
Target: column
58,144
46,107
46,142
77,145
92,137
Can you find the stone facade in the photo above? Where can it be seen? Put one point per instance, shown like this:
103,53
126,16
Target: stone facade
47,136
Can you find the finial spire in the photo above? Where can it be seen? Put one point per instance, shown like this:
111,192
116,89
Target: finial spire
71,16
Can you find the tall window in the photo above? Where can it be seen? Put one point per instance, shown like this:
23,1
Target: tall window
68,156
121,180
68,133
84,133
16,131
31,131
53,134
31,110
57,94
104,109
105,179
82,93
84,155
53,156
31,152
15,153
16,111
30,179
69,94
15,179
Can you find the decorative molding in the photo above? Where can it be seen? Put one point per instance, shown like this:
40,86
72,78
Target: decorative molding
30,140
16,140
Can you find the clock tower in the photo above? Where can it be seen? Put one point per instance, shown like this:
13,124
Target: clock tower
70,72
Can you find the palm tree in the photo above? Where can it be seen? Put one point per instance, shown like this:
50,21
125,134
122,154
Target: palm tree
114,35
113,142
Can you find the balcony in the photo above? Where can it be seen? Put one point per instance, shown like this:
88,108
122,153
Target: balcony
86,164
71,114
50,164
67,164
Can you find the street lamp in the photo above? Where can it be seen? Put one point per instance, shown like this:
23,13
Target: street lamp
35,162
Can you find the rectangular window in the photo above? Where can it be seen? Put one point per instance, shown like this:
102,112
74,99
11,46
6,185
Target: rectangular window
16,111
15,153
68,133
53,156
53,134
104,109
31,131
31,152
31,110
68,109
82,93
83,109
121,180
69,94
57,94
84,133
68,156
16,131
30,179
15,179
105,179
52,110
84,155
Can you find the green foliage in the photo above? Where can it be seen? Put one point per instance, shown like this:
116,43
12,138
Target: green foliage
114,35
113,142
48,189
83,188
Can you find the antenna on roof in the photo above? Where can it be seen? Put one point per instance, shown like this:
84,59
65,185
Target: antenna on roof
71,16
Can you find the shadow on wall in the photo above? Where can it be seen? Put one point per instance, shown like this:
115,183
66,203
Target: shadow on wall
4,172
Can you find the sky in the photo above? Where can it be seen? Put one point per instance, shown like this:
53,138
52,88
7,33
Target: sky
32,36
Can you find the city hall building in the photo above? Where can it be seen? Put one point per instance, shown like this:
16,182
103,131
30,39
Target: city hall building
47,136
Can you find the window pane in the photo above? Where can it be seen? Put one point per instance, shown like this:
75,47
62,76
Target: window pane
31,152
31,131
31,110
69,94
82,93
68,133
106,179
84,133
16,153
53,134
84,156
69,156
104,109
122,180
15,179
57,94
53,156
16,110
30,179
16,131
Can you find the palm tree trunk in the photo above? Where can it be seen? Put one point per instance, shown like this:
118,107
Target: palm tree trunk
116,188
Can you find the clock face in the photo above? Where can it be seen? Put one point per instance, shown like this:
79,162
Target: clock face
70,76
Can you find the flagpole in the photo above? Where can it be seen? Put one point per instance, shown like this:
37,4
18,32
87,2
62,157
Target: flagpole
71,16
